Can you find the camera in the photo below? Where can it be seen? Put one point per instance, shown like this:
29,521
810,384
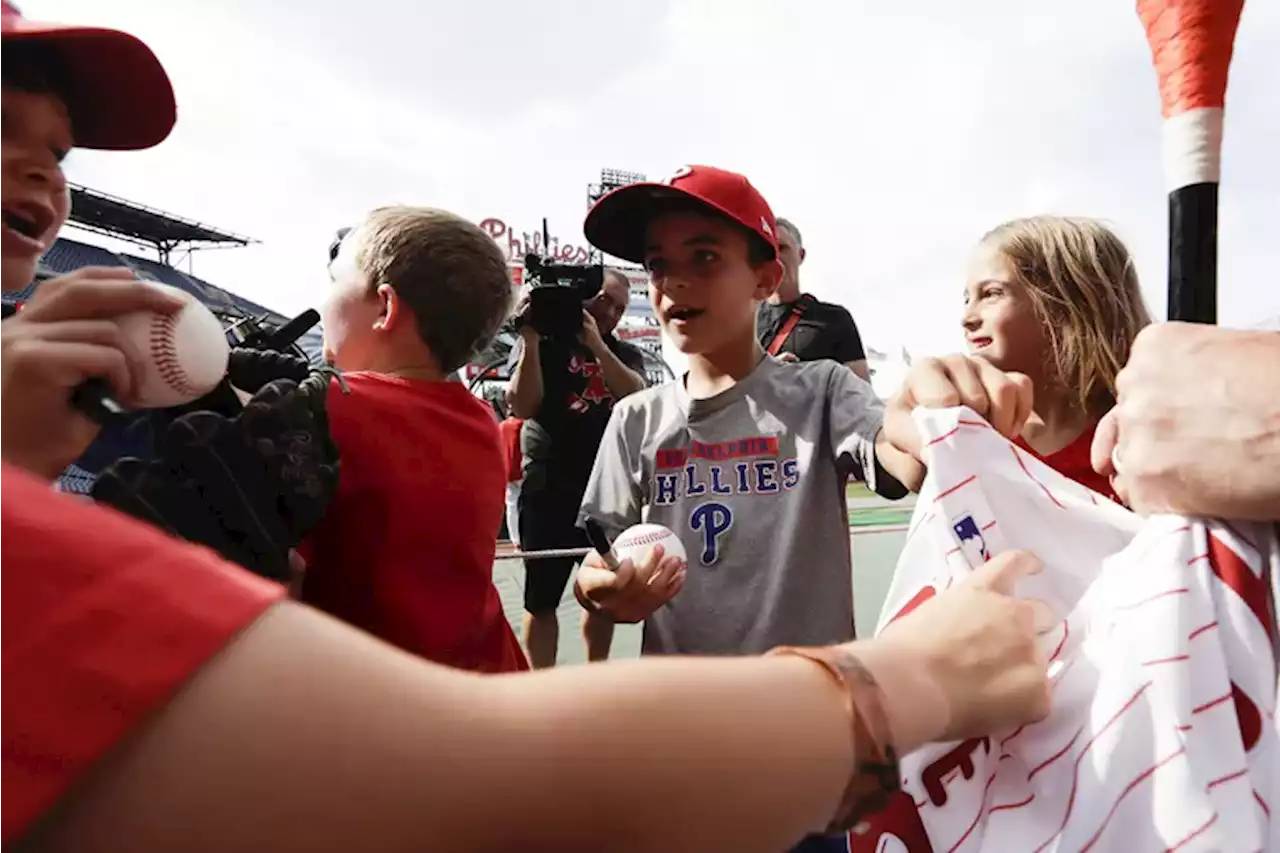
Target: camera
556,296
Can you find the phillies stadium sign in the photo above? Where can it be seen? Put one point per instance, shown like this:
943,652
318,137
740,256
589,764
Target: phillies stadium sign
518,244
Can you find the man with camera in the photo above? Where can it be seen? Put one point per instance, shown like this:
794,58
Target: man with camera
566,378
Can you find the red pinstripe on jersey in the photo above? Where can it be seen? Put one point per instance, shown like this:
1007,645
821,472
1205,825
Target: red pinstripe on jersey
1184,615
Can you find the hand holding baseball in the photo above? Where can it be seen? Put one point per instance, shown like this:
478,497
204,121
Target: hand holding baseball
64,336
966,663
1196,426
634,592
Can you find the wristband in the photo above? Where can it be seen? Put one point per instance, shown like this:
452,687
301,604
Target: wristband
875,777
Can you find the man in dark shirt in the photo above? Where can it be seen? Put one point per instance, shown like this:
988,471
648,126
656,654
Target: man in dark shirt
795,326
565,390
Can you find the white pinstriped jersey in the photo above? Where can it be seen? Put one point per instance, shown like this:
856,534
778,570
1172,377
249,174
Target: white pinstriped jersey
1164,732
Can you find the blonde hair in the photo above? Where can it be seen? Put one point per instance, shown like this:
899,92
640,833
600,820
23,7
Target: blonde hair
449,272
1082,282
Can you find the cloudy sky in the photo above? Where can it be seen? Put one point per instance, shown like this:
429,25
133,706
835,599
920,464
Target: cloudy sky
893,133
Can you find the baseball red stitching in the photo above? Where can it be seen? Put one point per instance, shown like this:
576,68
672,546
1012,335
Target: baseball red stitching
644,539
166,355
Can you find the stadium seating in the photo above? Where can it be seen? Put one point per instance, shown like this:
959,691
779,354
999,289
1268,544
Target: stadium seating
67,255
164,274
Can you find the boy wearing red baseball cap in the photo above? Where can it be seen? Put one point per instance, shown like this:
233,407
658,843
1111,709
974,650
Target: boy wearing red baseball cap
66,87
745,458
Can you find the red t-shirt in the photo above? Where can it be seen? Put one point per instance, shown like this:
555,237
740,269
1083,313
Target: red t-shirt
510,429
1074,461
104,620
406,549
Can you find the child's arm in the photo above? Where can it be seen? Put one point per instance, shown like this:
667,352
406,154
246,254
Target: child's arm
854,419
614,498
1004,399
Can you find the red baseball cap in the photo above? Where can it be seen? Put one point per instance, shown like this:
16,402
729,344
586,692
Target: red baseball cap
617,222
120,98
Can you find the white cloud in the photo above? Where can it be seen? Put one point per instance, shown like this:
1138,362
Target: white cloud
894,134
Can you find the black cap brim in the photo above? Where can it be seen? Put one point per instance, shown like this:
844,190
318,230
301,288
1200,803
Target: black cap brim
617,223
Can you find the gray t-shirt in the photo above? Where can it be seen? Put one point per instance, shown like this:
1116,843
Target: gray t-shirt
752,480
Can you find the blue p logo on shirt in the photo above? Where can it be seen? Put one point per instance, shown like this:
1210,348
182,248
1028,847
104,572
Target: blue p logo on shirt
711,519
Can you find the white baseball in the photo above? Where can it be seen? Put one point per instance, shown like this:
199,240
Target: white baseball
180,356
638,540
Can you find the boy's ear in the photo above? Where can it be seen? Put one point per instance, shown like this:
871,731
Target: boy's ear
768,277
390,309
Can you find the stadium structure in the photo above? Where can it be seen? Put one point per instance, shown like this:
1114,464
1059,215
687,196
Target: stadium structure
169,237
489,374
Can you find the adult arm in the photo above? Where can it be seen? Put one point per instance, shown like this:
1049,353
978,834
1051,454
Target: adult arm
385,747
307,735
524,391
1196,426
620,379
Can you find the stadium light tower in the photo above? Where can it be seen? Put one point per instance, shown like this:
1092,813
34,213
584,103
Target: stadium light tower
611,179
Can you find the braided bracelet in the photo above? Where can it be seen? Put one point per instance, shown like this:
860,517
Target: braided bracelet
875,777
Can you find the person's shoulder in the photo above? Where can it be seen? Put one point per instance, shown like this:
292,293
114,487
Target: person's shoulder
832,310
824,379
647,400
626,350
815,374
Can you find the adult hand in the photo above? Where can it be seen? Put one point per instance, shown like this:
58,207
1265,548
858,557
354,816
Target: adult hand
1004,399
632,593
63,336
966,663
520,315
1196,426
590,336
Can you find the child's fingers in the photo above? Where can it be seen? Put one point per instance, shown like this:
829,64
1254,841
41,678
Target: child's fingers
965,377
98,298
66,364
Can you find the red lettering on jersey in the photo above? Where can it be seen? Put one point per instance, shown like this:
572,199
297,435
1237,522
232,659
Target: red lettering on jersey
1253,589
960,758
901,820
1248,717
1255,592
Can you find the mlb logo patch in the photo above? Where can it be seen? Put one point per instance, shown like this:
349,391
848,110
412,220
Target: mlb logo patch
972,542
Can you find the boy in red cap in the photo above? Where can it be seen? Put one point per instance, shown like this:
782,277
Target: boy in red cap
66,87
745,458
